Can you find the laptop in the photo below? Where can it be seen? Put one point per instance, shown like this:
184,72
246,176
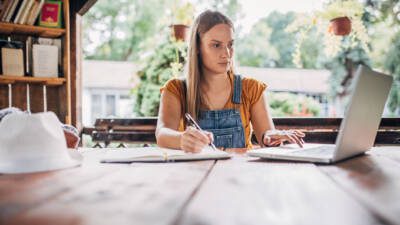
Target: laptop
357,130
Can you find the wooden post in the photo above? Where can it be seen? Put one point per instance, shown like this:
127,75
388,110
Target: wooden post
77,10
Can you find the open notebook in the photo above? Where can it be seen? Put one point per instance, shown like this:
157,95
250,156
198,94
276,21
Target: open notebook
156,154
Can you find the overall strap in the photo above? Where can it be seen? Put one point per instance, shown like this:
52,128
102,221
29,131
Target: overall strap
184,94
237,89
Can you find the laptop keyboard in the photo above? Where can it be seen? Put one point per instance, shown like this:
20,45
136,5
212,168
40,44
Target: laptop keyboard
317,151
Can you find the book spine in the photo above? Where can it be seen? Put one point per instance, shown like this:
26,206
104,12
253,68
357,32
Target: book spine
12,10
6,7
36,13
28,56
32,12
27,9
20,11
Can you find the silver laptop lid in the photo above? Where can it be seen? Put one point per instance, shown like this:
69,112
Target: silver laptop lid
363,115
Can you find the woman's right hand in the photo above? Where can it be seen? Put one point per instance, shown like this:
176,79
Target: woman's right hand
193,140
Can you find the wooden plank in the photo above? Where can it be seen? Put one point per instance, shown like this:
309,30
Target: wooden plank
280,123
12,28
136,194
374,180
390,152
383,137
148,137
76,67
65,94
84,6
50,81
21,192
248,191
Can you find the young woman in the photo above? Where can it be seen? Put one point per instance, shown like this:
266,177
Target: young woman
225,105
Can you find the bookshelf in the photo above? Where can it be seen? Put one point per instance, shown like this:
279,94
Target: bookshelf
58,90
11,28
48,81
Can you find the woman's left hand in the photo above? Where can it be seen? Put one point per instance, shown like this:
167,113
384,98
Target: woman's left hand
277,137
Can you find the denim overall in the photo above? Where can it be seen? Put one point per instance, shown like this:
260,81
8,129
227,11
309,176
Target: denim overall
226,125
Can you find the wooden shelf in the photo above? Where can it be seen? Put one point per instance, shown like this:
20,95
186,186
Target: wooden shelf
12,28
49,81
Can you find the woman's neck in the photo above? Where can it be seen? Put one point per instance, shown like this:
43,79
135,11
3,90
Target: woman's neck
213,82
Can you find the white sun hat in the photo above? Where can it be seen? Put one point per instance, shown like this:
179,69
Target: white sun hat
33,143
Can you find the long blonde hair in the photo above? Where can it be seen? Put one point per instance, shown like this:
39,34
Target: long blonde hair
203,23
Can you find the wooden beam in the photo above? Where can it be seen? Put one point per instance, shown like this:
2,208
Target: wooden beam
77,9
84,6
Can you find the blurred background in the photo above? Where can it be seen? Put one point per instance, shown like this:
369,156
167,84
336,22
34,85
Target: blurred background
129,52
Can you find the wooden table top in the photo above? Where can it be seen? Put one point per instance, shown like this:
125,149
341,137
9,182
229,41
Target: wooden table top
243,190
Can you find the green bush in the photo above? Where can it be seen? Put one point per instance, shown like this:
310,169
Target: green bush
392,64
165,63
292,105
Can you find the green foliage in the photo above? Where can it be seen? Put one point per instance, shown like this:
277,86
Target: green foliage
287,104
184,14
393,66
255,50
159,69
349,8
342,65
231,8
123,29
267,44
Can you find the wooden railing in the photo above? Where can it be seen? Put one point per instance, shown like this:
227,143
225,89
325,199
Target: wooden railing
318,130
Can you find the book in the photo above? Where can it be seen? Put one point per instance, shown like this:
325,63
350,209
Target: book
4,9
28,55
12,61
26,12
20,10
157,154
11,12
35,12
56,42
45,60
50,15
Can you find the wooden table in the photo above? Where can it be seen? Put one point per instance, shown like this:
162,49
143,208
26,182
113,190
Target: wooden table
242,190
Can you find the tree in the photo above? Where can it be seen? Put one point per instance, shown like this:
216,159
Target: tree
393,66
269,45
281,40
159,68
255,49
385,17
123,29
230,8
342,69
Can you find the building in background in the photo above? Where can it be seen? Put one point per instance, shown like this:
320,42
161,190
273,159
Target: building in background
310,83
106,89
107,86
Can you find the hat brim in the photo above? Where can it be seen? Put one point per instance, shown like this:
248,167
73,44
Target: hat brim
74,159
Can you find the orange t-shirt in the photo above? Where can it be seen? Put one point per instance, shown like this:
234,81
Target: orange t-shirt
252,90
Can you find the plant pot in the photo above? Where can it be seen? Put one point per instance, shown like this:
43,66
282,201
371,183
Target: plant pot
179,31
341,26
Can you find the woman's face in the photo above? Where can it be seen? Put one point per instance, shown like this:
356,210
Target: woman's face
216,49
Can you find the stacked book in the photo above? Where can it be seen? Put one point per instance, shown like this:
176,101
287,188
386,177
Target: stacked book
20,11
31,56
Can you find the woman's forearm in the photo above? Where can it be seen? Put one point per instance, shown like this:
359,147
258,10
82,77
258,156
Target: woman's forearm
168,138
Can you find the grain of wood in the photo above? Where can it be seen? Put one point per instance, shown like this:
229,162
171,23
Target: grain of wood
244,191
372,179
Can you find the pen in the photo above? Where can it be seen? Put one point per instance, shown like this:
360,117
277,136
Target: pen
191,120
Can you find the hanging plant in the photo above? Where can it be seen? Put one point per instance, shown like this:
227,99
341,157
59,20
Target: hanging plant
164,63
183,17
337,21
